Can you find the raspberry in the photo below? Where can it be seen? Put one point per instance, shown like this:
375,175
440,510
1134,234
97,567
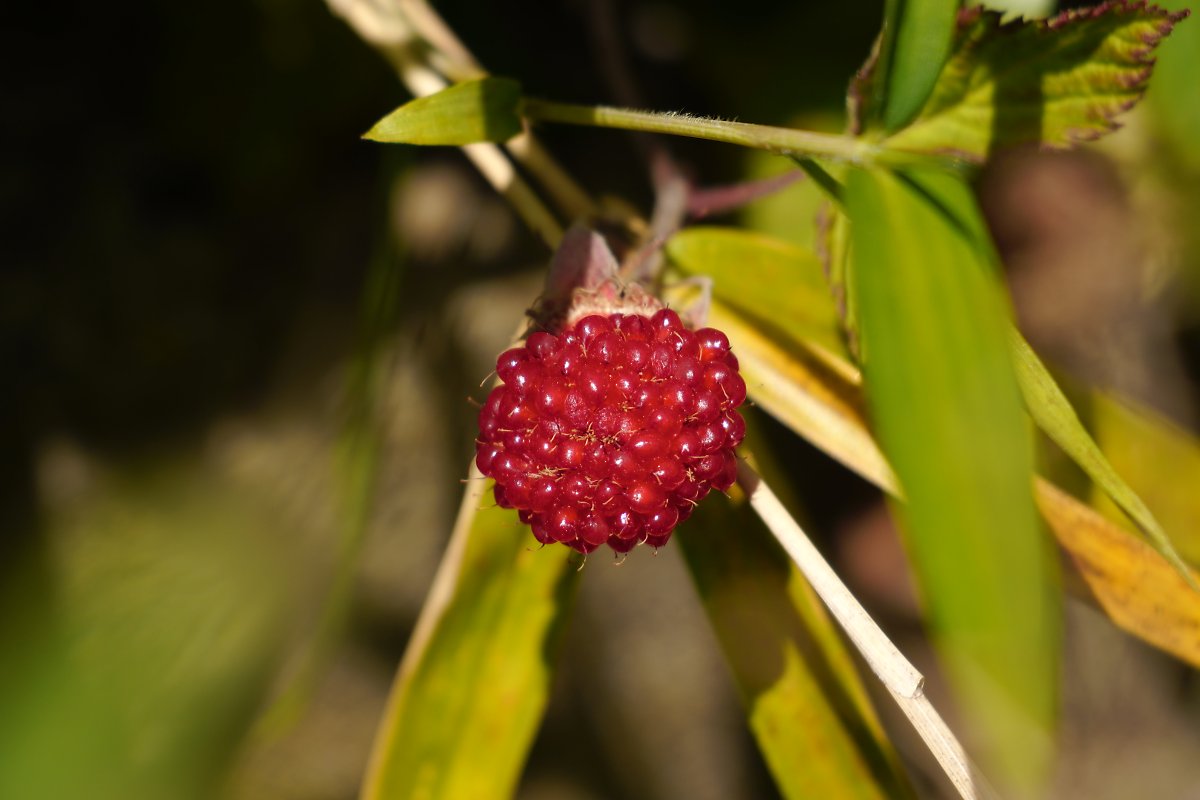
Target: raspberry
611,431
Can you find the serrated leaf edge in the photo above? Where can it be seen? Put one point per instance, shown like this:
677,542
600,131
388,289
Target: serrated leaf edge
995,26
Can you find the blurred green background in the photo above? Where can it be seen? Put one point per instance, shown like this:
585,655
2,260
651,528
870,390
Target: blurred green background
238,345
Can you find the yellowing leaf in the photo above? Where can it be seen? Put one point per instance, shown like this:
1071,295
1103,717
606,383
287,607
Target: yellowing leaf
473,685
805,703
819,403
1138,590
1052,83
1159,459
751,272
483,110
826,409
1053,413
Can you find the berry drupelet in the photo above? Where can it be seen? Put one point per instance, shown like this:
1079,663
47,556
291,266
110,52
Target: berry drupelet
611,431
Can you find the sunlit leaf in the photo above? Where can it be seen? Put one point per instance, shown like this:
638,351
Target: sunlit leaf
473,685
1053,413
752,271
823,408
1160,460
917,36
1052,83
1138,590
948,413
483,110
820,404
805,703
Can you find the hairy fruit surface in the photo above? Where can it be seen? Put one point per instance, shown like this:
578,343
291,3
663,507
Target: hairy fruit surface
611,431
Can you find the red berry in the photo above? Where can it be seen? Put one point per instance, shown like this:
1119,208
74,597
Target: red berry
735,429
713,344
668,472
607,348
591,326
646,496
711,436
485,455
564,524
648,444
610,431
686,445
662,521
637,354
594,530
664,322
542,345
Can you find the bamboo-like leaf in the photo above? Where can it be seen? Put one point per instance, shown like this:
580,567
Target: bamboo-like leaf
948,413
748,271
825,409
1052,83
1159,459
1053,413
804,700
483,110
749,267
917,36
820,404
1138,590
474,683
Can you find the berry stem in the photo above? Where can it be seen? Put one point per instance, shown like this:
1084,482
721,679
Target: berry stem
897,674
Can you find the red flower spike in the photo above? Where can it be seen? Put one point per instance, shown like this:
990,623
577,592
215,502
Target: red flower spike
610,431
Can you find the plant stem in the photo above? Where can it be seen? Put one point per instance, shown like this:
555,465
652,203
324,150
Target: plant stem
785,141
897,674
571,198
387,28
826,182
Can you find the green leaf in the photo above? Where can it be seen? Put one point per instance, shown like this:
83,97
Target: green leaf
824,407
1174,97
752,271
805,703
1053,413
471,691
483,110
917,36
1052,83
1130,583
948,413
